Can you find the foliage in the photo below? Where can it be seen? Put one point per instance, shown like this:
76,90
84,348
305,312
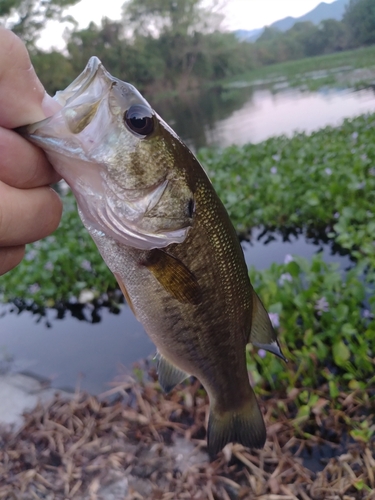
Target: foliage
28,17
173,17
360,21
327,333
55,71
324,180
165,45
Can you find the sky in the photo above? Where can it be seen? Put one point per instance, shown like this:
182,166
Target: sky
239,14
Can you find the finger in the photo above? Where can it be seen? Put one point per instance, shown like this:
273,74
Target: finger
22,164
21,92
10,257
27,215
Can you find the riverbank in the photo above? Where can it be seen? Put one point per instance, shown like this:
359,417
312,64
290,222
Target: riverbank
132,442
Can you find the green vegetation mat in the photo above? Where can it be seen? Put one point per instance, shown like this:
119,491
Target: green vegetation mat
355,68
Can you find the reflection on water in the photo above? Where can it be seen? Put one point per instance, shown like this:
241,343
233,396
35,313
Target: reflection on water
241,115
87,345
73,351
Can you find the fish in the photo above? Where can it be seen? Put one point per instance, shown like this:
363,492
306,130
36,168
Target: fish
167,238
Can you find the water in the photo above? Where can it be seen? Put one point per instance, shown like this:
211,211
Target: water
90,349
242,115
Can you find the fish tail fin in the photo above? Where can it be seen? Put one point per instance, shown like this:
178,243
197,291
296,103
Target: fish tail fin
244,425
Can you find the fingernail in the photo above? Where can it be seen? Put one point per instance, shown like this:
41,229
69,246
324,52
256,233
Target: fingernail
49,105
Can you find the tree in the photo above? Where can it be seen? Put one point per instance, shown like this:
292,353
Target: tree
177,28
360,20
54,70
28,17
158,17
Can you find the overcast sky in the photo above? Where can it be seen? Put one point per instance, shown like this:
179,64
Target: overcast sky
239,14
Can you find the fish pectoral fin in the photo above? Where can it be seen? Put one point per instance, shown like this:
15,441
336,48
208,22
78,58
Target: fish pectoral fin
174,276
262,333
244,425
125,292
168,374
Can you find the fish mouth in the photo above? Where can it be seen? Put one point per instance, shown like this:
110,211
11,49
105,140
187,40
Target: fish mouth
78,105
82,82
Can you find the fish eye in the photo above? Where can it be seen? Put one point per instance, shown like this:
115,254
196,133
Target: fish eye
139,119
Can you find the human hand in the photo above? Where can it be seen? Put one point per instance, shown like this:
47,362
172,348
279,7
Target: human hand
29,209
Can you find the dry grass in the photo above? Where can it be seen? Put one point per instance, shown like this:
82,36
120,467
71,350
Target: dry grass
154,447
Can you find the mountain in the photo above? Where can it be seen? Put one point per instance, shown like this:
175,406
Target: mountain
334,10
248,35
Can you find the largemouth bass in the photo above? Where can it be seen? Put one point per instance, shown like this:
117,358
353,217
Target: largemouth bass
165,235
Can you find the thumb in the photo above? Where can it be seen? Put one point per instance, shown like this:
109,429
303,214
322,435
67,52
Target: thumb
23,99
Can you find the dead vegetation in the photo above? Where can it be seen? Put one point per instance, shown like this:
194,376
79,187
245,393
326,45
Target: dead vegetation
134,443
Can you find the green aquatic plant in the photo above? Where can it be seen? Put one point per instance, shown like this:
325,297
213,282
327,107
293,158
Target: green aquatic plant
323,323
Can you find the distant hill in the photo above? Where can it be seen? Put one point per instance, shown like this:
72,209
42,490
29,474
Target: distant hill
334,10
249,35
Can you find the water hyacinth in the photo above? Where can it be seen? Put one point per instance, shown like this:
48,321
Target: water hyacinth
288,258
31,255
284,278
321,306
86,265
34,288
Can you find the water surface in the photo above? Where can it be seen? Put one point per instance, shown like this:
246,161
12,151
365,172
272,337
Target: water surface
222,118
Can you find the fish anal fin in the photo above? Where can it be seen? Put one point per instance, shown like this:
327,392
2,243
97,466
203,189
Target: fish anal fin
262,333
125,292
174,276
169,375
244,425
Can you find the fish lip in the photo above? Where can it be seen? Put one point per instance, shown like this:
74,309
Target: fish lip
82,82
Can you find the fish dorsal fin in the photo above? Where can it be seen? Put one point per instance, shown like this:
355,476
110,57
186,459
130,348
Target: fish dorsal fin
174,276
169,376
262,333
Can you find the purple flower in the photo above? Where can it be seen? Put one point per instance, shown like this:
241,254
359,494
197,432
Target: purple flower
288,258
275,319
86,265
321,306
261,353
367,314
336,215
48,266
285,277
34,288
328,171
30,255
273,170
